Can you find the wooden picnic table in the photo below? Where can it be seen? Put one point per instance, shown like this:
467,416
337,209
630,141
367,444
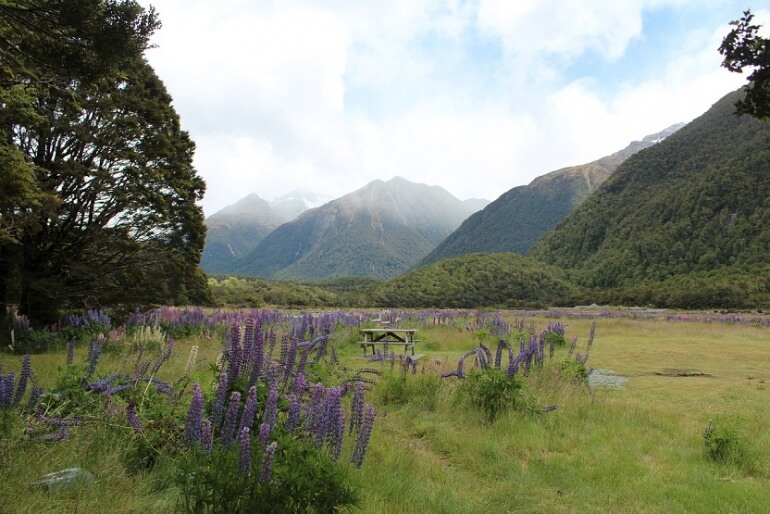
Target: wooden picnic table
388,337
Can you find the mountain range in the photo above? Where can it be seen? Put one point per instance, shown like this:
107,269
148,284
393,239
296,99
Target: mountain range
380,230
234,231
414,224
519,217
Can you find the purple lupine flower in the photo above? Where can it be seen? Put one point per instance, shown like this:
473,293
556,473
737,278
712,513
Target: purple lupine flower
284,350
300,384
258,356
249,410
315,415
591,334
34,396
572,347
26,372
141,370
248,340
6,390
61,422
271,406
292,422
55,437
271,340
356,407
332,408
103,384
362,441
499,353
334,358
117,389
133,419
291,357
164,356
302,361
217,409
487,357
192,427
244,443
235,356
207,436
71,352
266,470
271,376
337,435
230,425
94,351
264,433
161,386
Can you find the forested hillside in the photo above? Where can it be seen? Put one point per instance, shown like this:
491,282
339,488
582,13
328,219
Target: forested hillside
519,217
699,202
489,280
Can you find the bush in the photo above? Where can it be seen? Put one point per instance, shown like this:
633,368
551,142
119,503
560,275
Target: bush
305,479
36,341
491,391
724,442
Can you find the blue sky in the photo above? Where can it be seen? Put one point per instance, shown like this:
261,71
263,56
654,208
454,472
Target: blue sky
476,96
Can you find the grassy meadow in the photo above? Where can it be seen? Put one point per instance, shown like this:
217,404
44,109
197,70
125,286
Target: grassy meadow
639,447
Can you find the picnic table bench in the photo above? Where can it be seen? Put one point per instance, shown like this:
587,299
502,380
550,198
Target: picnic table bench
388,337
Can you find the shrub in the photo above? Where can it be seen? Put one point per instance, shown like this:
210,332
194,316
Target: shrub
724,442
304,479
490,390
35,341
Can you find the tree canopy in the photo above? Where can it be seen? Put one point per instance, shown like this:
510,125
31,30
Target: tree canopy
99,202
743,48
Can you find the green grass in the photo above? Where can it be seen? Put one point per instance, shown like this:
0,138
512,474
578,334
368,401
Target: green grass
635,449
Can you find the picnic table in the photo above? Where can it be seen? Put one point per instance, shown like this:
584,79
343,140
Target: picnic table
388,337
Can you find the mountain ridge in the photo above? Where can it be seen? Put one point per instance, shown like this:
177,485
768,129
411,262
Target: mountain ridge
521,215
379,230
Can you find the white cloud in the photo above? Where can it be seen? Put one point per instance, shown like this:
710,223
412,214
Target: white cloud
477,96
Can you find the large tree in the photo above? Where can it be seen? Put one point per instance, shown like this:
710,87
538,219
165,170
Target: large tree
743,47
102,206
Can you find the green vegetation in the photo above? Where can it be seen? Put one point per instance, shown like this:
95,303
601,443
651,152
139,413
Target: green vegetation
744,48
505,280
687,432
692,207
101,206
259,292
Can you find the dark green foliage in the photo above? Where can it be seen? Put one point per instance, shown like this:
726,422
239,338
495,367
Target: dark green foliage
744,48
36,341
257,292
478,280
695,204
111,214
724,442
491,391
305,479
573,371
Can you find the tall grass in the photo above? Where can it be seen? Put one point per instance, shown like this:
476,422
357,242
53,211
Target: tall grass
638,448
